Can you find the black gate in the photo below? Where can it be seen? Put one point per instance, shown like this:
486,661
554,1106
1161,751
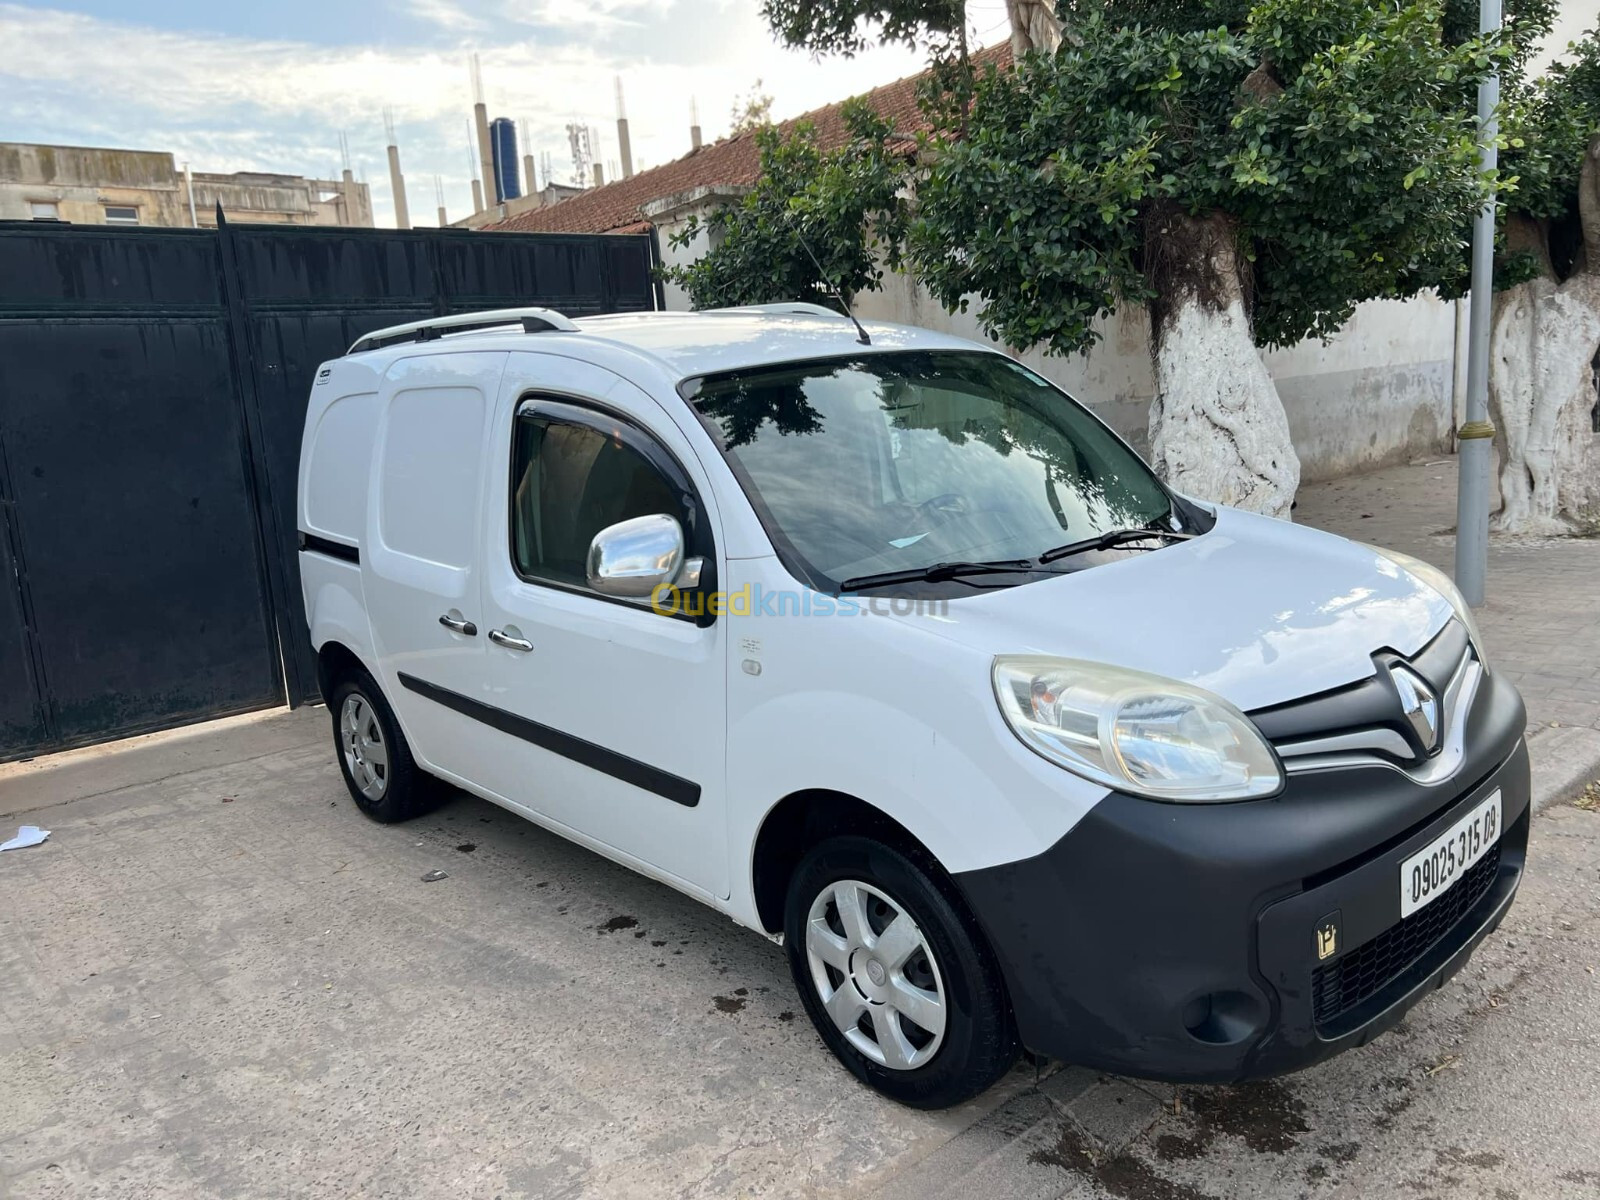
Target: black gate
152,388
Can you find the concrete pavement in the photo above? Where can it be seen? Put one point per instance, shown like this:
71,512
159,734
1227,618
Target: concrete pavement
1485,1091
218,980
226,982
1541,619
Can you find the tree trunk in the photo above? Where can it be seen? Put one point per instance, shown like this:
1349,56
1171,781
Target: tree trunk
1541,399
1217,427
1034,26
1541,384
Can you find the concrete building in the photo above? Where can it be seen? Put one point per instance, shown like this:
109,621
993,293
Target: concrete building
496,214
95,186
1386,389
249,196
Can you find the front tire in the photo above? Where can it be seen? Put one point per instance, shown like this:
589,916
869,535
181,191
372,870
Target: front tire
374,757
895,974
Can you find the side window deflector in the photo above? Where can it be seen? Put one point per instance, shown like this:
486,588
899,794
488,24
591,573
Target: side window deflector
579,469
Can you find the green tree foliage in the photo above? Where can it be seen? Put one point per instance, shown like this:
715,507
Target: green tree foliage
849,26
815,220
752,111
1550,121
1327,136
1333,141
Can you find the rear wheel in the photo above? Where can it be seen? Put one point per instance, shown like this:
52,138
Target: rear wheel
895,975
384,780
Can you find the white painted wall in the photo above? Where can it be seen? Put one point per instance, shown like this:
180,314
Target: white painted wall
671,214
1380,391
677,300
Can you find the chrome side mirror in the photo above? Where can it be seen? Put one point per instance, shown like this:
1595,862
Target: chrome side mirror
632,558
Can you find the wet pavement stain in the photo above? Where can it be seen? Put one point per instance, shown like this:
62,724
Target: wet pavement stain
616,924
1454,1156
1337,1154
1266,1116
1400,1099
729,1004
1177,1147
1124,1176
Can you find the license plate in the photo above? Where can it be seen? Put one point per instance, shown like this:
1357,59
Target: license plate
1438,867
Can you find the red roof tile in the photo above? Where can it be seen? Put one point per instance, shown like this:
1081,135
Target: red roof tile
734,160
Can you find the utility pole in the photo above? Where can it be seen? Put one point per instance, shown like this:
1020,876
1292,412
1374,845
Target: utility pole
1477,434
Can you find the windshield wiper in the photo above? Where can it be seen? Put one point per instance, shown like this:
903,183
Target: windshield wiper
1110,538
935,572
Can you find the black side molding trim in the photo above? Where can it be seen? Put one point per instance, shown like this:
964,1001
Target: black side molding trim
321,545
619,766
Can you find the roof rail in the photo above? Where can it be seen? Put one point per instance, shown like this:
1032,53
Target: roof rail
532,320
803,308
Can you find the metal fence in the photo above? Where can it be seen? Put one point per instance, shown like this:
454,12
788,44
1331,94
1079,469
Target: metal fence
153,383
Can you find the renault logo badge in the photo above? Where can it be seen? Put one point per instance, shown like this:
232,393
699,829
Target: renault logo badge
1327,937
1419,704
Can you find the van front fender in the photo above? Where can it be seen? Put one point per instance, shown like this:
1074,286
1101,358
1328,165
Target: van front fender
960,783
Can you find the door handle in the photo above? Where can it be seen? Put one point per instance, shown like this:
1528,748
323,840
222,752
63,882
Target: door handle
459,625
501,638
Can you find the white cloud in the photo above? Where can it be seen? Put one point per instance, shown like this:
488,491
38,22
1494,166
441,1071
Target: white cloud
456,16
591,15
236,103
447,15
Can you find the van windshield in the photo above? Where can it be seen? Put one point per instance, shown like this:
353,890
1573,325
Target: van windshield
903,460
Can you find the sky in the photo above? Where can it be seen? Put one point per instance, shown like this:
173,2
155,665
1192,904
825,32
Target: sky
236,85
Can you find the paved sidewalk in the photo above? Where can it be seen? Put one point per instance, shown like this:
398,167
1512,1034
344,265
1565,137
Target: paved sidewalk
1541,618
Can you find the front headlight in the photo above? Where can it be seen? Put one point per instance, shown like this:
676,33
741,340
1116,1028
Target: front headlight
1444,585
1134,732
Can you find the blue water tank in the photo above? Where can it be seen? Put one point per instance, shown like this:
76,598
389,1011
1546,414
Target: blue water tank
503,144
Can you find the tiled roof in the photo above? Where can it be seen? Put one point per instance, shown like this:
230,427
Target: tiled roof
734,160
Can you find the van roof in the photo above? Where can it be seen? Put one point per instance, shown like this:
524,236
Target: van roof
685,344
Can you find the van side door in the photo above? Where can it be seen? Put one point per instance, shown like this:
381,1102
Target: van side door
611,713
424,514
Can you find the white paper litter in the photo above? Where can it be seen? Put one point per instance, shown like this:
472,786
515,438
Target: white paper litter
28,835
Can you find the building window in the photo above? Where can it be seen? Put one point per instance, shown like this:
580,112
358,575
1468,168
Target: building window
44,210
121,214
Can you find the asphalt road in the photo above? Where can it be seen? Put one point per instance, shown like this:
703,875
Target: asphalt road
218,980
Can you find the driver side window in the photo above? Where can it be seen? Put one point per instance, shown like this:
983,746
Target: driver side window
569,481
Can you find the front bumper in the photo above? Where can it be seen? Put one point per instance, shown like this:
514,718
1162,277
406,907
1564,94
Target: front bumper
1180,942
